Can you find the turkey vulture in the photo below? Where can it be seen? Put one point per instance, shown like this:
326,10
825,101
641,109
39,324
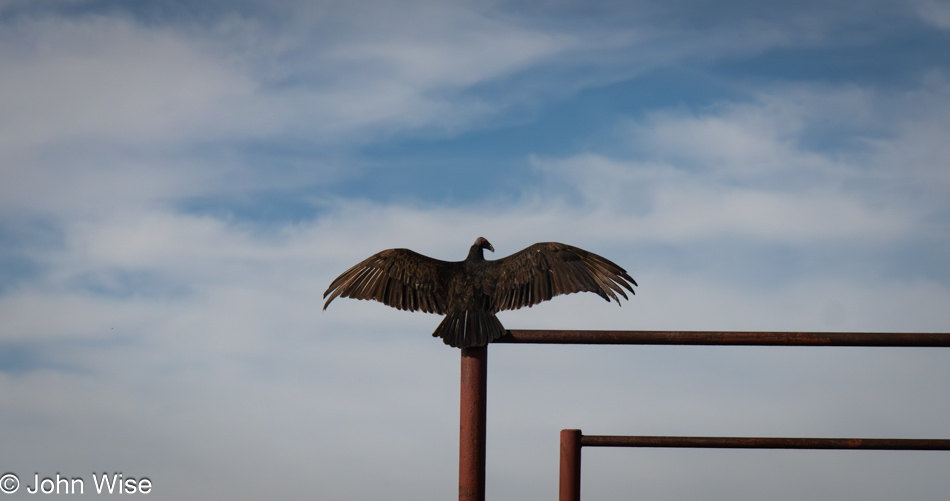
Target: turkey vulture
470,292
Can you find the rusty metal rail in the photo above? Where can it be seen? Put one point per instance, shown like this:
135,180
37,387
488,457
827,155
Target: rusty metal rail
736,338
878,444
573,440
474,387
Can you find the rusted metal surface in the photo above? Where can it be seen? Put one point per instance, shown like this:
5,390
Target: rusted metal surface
744,338
570,478
573,440
474,382
893,444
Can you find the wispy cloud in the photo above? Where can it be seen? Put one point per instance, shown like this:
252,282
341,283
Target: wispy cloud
156,317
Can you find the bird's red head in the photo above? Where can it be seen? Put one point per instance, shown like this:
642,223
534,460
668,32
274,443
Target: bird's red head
484,244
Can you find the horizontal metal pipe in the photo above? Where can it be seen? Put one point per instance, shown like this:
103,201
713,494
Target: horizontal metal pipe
746,338
895,444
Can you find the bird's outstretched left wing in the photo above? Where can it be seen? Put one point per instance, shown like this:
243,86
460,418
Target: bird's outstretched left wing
548,269
399,278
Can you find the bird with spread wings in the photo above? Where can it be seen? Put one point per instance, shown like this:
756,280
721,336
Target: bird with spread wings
470,292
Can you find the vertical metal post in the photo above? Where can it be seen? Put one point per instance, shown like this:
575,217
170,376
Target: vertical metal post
570,477
472,426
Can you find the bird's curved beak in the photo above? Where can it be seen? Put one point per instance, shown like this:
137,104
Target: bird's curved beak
490,247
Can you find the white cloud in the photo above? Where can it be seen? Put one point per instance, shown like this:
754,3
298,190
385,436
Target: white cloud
914,152
442,45
935,12
108,79
246,361
763,169
193,349
657,203
104,110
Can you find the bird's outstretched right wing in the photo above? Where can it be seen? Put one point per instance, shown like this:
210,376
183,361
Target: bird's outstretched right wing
548,269
399,278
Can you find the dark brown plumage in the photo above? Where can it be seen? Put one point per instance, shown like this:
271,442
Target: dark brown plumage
470,292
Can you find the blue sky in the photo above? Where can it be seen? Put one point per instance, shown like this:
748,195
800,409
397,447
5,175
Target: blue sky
180,181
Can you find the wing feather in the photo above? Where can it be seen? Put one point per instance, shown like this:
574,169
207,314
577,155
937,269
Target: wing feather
549,269
399,278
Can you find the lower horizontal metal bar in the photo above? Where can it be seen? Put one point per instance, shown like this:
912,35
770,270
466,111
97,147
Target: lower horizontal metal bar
747,338
901,444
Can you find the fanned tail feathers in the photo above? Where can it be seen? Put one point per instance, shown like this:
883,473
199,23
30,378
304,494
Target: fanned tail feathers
467,328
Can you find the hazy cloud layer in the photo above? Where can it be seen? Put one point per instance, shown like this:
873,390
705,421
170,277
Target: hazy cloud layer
180,182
